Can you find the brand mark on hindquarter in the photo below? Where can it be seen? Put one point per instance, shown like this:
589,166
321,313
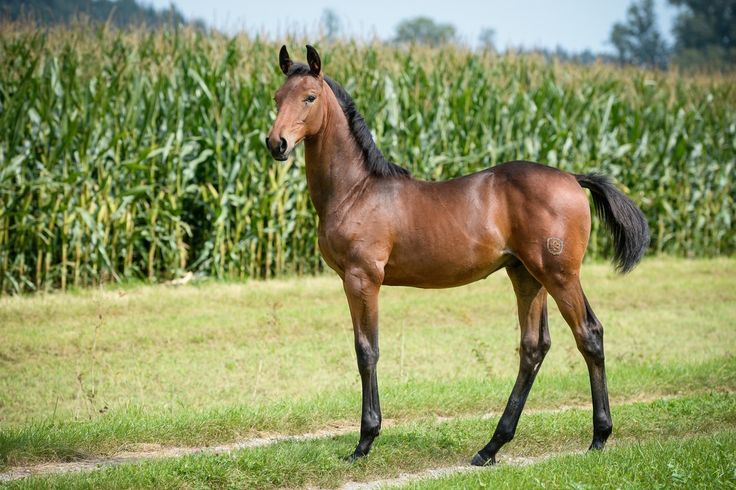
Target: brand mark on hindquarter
555,245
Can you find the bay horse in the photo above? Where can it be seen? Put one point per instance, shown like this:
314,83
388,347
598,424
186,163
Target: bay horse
379,226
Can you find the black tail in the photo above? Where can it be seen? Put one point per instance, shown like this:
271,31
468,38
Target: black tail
622,217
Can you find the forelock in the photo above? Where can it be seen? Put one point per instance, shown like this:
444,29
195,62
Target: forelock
298,69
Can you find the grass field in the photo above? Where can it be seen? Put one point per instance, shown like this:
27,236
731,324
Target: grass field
96,372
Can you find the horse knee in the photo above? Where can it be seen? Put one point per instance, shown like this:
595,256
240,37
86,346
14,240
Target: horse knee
366,354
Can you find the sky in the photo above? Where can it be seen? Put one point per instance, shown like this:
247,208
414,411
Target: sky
575,25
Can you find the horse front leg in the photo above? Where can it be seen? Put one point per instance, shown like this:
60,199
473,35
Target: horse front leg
362,293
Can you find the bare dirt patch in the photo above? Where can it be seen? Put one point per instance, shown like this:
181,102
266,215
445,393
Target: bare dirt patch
406,478
145,452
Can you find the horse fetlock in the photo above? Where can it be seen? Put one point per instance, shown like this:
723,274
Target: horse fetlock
603,430
370,427
367,437
597,445
487,455
361,450
502,436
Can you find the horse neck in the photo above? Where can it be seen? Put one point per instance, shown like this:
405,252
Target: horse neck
335,168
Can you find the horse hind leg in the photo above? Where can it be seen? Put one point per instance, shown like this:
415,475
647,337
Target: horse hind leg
531,298
588,332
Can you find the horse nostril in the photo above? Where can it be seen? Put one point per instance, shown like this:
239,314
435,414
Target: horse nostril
282,146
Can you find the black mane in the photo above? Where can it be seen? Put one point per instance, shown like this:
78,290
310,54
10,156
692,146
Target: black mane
373,159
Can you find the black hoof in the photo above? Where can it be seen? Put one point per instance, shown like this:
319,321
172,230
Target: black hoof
480,460
357,454
599,441
597,446
351,458
600,436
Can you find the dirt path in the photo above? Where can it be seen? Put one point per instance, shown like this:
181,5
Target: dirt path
153,451
406,478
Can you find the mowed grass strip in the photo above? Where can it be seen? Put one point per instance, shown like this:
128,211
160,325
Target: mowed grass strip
68,441
703,461
86,355
407,448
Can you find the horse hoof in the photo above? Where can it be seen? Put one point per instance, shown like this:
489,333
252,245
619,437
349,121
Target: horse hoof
356,455
480,460
597,446
352,458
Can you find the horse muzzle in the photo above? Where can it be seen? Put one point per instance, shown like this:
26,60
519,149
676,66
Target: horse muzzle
279,148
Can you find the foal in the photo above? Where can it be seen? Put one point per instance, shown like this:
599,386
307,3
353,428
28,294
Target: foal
377,226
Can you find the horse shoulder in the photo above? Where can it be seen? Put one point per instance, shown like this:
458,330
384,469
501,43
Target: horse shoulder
358,233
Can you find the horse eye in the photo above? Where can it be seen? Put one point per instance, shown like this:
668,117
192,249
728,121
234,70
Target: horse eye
310,98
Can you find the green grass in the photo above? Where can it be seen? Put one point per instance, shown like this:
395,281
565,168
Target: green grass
215,363
410,447
703,461
50,440
223,345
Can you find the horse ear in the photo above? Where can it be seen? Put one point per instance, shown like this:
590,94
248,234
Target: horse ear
284,60
315,65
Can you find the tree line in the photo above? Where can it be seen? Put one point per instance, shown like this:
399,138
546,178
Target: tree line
704,31
120,13
704,37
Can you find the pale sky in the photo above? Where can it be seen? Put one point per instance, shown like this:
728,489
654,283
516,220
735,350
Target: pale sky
575,25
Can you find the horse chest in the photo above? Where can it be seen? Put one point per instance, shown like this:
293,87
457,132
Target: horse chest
332,245
349,241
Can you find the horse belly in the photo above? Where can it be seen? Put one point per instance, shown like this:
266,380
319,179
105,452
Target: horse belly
448,264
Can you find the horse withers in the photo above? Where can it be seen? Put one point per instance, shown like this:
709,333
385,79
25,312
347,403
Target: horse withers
379,226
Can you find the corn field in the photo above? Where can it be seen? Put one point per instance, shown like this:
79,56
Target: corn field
140,155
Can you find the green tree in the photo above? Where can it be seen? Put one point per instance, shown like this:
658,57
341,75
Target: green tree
637,40
705,33
487,39
423,30
119,12
330,24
